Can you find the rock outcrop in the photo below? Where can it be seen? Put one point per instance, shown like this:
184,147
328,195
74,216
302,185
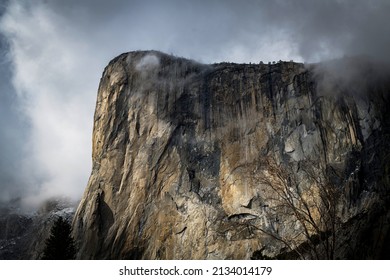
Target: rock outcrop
236,161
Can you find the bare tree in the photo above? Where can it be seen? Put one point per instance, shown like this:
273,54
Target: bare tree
302,208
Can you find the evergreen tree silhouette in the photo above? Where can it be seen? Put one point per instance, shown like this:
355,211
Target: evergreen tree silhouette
60,245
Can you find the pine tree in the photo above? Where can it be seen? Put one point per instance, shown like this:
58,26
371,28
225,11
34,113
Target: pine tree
60,245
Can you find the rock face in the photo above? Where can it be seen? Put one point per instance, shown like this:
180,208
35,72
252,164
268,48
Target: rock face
236,161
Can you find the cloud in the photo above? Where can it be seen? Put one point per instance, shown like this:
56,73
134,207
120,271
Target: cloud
58,50
147,62
13,129
58,105
330,29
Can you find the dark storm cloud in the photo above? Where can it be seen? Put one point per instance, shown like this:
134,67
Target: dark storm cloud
245,30
58,49
327,29
205,30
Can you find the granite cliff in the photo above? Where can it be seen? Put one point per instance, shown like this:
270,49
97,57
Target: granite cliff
237,161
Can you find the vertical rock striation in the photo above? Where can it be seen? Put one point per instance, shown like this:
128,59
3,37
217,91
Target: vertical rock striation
188,159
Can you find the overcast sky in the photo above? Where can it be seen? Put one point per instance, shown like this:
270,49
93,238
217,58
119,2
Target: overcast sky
53,52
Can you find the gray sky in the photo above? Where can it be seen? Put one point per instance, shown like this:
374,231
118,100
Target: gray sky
53,53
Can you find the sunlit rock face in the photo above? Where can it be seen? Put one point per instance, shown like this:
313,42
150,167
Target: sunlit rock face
189,160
